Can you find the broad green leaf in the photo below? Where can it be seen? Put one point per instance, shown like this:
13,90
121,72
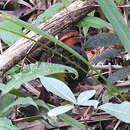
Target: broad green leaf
85,95
103,39
120,111
52,11
58,88
60,110
91,21
72,122
105,55
6,124
83,98
120,74
116,19
8,37
19,101
46,69
93,103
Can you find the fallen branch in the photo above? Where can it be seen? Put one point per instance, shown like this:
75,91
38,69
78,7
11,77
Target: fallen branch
53,26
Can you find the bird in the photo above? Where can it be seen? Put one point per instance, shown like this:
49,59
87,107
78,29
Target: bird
72,38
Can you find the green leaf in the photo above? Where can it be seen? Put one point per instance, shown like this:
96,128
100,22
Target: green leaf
6,124
5,121
116,19
8,37
120,111
83,98
60,110
91,21
103,39
46,69
72,122
19,101
52,11
58,88
5,101
86,95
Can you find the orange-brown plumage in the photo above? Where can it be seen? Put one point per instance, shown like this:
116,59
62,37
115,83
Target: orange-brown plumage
71,38
72,41
69,34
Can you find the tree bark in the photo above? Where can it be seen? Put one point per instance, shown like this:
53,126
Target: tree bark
53,26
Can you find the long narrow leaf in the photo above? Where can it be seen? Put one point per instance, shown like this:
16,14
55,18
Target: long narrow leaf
45,69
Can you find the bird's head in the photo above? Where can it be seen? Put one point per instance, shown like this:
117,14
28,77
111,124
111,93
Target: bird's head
73,38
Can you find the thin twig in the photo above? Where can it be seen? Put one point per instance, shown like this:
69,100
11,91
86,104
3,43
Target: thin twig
117,124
